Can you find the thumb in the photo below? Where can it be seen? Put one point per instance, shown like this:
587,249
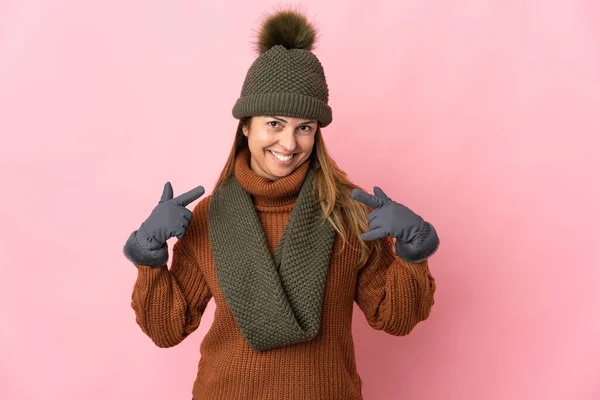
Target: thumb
377,191
167,192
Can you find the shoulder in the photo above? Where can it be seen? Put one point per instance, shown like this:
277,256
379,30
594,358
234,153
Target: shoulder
200,211
199,223
202,206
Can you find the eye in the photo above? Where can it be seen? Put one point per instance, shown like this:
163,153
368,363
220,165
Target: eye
273,124
305,128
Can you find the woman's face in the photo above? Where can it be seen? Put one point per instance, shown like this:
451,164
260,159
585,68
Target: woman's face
278,145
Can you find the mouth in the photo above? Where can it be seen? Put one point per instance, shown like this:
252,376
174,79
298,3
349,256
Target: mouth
282,158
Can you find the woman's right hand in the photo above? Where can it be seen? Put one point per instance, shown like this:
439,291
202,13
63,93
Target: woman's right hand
170,217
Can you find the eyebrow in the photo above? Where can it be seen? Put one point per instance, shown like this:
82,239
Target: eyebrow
302,123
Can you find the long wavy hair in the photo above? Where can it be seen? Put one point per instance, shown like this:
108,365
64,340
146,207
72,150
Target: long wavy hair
333,188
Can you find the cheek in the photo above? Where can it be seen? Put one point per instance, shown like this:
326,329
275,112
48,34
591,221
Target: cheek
258,141
252,142
307,143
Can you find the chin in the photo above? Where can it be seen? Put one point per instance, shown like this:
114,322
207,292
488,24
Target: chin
281,172
277,173
279,176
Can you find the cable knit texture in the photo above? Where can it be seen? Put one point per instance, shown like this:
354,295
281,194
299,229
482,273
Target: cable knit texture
393,294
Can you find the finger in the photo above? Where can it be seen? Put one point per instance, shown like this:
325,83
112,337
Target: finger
184,222
187,214
188,197
373,234
380,193
366,198
372,217
167,192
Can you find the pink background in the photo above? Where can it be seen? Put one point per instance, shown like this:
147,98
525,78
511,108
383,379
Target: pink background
482,116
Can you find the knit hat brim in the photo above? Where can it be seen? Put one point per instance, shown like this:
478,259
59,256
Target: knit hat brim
292,105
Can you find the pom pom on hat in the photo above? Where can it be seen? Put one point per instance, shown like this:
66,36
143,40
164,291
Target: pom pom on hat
286,78
288,28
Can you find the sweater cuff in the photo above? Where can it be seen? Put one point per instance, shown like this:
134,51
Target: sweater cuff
141,250
421,247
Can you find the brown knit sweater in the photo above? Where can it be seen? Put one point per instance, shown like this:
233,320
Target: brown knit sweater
393,294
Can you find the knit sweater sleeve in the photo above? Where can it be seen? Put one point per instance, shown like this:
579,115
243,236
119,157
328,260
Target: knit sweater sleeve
169,303
394,294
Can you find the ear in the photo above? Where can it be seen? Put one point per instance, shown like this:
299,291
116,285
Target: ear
245,130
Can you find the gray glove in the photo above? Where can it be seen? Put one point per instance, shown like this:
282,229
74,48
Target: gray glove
170,217
146,246
416,239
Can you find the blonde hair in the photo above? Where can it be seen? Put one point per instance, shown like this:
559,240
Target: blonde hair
333,188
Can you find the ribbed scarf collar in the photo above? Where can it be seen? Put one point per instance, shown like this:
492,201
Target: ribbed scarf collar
277,299
264,191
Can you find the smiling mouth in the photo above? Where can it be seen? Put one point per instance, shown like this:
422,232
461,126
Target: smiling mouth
281,157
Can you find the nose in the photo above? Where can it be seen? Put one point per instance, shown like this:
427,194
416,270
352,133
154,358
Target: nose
287,139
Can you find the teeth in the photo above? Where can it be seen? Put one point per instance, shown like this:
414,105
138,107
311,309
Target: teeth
282,157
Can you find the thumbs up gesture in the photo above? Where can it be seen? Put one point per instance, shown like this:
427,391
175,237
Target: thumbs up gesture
170,217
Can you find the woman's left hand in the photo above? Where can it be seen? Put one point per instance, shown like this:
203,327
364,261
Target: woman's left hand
388,217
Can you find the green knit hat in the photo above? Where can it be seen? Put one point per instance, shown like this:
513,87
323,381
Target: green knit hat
286,79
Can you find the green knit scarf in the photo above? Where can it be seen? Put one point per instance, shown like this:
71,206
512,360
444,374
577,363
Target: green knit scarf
275,299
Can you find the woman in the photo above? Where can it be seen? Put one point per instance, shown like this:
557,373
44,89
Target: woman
285,245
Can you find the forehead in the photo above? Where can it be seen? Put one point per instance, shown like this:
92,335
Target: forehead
290,119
